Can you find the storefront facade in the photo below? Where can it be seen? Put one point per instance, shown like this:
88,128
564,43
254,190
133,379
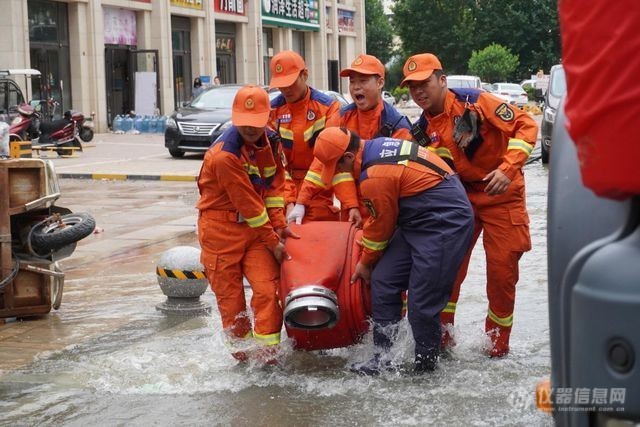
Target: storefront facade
112,57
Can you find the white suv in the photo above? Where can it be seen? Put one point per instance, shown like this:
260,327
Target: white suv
386,96
465,82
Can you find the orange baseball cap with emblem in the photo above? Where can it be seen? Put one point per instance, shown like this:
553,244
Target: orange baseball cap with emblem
364,64
251,107
285,68
330,146
420,67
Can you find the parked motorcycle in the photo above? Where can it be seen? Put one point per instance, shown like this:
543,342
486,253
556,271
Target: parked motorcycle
61,135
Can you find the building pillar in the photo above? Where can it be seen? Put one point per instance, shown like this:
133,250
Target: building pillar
161,40
96,92
208,64
14,50
250,62
78,58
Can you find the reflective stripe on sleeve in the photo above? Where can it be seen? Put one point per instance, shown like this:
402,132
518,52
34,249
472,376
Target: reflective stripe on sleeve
287,176
269,171
342,177
258,221
374,246
314,178
520,144
251,169
274,202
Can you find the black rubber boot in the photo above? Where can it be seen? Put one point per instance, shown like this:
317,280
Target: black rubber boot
425,362
375,366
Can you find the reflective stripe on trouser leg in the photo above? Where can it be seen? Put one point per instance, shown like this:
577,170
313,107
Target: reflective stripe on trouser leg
223,246
430,224
502,276
439,241
389,279
263,274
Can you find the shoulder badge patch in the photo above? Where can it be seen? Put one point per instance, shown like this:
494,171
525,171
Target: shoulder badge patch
372,210
505,112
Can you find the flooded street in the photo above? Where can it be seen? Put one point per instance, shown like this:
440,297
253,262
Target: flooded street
109,358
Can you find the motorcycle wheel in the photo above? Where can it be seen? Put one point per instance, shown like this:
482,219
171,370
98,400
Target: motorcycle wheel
52,234
61,150
86,134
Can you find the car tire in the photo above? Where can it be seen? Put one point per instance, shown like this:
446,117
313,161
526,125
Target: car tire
176,154
544,154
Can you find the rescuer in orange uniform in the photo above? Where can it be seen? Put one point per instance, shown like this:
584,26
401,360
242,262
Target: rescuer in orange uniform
416,235
300,112
241,223
370,117
489,141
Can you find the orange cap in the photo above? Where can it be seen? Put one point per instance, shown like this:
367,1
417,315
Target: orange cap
251,107
420,67
330,145
364,64
285,68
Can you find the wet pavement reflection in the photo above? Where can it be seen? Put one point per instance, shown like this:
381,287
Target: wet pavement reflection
109,358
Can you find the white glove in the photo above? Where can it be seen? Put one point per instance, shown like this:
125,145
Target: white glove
296,214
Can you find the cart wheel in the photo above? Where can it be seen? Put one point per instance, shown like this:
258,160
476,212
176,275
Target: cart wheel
57,284
57,232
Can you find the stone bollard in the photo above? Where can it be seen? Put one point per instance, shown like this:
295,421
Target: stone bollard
181,278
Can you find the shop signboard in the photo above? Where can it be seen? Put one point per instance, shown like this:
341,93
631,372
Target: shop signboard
346,21
191,4
298,14
119,26
235,7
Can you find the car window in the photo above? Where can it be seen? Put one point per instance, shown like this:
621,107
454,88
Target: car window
217,97
558,85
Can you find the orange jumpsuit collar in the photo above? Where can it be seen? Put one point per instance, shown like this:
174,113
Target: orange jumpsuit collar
449,100
302,103
374,113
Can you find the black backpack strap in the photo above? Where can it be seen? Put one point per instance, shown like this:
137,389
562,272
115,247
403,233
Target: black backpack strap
412,156
386,130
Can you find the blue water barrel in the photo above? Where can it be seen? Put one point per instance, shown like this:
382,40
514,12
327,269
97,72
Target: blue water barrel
162,124
137,123
145,124
127,124
116,126
153,124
